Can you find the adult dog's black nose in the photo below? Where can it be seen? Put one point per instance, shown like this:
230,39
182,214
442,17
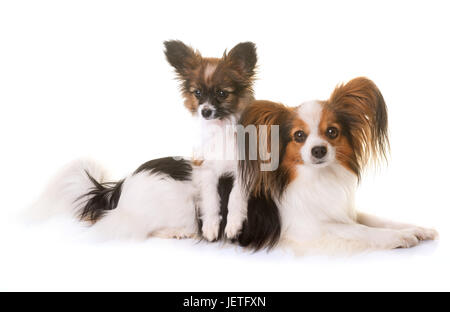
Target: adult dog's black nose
206,112
319,151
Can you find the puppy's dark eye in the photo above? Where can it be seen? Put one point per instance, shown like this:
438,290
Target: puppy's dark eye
332,132
222,94
300,136
197,93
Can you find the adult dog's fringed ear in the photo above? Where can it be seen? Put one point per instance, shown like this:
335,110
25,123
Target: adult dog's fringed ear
182,57
257,181
243,58
360,108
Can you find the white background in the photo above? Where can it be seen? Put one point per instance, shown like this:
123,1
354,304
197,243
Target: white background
89,78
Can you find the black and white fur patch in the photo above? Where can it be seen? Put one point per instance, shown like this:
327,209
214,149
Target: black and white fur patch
177,168
104,196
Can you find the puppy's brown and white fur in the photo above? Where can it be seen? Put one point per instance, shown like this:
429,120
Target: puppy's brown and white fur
161,197
323,148
216,91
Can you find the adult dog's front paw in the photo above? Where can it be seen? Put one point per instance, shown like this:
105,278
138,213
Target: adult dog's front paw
210,228
423,233
411,237
405,239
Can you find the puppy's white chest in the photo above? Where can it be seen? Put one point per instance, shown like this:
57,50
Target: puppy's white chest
216,140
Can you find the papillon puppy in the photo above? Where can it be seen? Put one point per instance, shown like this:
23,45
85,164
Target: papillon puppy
323,148
171,197
216,91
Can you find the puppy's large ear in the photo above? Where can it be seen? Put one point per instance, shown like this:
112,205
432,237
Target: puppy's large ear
361,110
182,57
243,58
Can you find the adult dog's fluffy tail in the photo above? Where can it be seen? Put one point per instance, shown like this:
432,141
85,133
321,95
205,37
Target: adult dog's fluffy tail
78,189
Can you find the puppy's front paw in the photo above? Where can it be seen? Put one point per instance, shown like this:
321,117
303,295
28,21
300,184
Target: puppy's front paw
233,227
237,213
210,228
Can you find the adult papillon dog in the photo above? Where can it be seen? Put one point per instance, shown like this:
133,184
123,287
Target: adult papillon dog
323,148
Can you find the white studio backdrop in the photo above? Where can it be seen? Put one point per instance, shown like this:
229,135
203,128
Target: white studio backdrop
89,78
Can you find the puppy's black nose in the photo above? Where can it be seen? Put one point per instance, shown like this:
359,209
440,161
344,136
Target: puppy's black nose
206,112
319,151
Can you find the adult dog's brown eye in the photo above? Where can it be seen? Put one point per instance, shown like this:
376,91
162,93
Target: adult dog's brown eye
222,94
300,136
197,93
332,132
